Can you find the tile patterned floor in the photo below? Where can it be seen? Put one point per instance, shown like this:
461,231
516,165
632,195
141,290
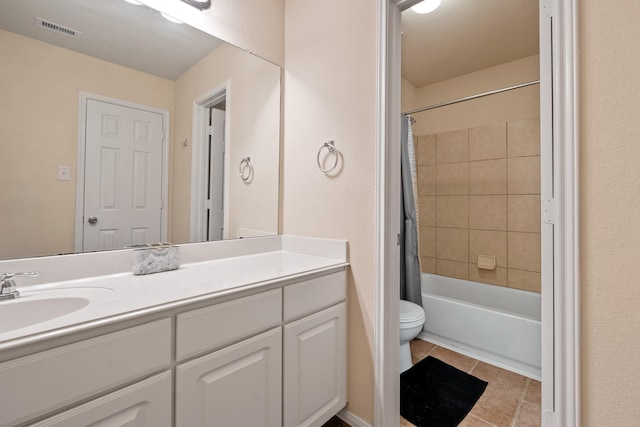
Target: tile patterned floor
510,400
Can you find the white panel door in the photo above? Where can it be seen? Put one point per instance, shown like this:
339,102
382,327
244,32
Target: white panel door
315,373
123,176
240,385
216,175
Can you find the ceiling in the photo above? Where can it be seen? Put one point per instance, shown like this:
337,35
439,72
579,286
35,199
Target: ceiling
460,37
463,36
133,36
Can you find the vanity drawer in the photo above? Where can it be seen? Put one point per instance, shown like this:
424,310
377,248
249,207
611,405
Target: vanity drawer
33,385
313,295
144,404
211,327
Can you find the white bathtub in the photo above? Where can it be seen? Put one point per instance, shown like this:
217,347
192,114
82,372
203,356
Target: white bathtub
491,323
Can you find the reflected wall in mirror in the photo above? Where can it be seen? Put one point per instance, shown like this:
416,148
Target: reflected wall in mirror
130,53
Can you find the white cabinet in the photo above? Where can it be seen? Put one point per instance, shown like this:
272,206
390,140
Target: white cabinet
145,404
239,385
267,359
313,295
242,384
315,371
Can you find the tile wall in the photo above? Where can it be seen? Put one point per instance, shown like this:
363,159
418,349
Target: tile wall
479,194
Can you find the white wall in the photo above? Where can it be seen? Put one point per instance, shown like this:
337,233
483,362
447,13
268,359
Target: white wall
330,83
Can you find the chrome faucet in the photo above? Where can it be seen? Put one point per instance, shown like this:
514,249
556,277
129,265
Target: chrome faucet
8,289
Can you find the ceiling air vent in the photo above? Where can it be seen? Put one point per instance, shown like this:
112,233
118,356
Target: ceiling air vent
47,25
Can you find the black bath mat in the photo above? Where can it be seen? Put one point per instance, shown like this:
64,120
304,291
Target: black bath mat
434,394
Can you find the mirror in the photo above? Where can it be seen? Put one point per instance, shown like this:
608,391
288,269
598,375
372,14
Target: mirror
58,57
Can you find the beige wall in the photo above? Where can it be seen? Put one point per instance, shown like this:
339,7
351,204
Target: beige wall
505,107
610,211
408,96
479,194
39,84
330,72
253,102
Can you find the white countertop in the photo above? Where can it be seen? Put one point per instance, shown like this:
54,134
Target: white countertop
120,296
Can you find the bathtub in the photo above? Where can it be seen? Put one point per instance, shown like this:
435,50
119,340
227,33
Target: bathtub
494,324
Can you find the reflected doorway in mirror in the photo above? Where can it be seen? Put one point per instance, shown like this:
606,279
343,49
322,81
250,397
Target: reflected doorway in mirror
209,179
215,193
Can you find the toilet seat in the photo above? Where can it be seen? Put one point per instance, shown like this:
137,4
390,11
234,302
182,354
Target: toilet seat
411,322
410,313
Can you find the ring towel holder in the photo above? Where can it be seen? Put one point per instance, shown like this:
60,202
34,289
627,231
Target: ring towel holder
246,169
330,147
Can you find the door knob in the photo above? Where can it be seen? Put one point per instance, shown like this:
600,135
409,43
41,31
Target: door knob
92,220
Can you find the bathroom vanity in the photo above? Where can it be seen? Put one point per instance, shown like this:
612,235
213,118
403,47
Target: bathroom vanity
254,335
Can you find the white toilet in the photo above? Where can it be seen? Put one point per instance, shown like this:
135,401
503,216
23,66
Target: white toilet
411,322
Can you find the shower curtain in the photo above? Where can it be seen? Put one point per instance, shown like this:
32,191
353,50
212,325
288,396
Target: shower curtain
410,289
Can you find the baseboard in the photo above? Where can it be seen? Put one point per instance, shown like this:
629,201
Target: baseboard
352,420
483,356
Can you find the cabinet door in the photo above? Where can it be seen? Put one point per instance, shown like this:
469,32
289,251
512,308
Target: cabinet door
145,404
315,374
240,385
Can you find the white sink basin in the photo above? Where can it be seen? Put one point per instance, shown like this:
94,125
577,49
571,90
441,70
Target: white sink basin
41,304
20,313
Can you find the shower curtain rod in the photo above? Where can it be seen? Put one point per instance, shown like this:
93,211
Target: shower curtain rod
469,98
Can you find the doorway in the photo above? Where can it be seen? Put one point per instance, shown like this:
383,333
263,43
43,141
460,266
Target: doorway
560,345
209,166
121,191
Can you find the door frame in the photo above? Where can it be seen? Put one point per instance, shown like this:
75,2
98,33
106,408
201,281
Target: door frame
200,161
561,337
83,98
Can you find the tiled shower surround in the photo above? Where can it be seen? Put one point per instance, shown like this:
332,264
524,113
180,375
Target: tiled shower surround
479,194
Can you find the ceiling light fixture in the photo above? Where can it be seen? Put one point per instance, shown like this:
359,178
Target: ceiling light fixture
199,4
426,6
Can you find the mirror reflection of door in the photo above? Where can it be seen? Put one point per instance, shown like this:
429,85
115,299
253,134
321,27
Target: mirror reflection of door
215,191
123,176
209,202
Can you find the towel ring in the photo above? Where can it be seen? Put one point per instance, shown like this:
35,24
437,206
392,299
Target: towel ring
246,169
331,148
